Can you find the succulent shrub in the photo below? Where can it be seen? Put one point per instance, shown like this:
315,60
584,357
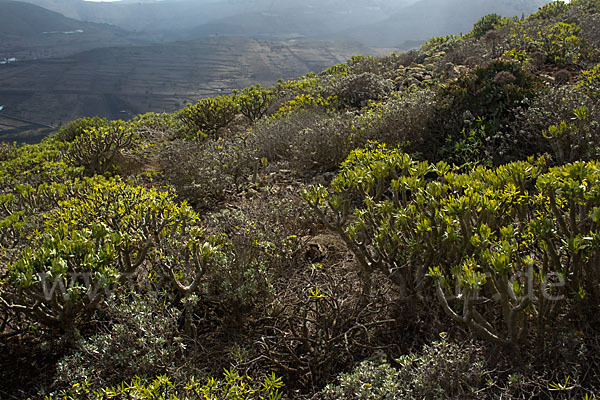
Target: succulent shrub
576,140
96,150
156,126
589,81
31,179
33,165
254,101
99,232
231,386
500,246
559,42
551,10
76,128
207,116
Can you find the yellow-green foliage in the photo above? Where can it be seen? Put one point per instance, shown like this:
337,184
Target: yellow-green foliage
34,164
29,175
575,140
96,148
337,70
304,85
494,237
305,101
435,43
75,128
150,124
560,42
589,80
254,101
208,115
551,10
98,231
486,24
232,386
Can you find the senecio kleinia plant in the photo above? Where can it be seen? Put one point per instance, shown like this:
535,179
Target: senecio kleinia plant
101,231
97,147
232,386
208,115
505,249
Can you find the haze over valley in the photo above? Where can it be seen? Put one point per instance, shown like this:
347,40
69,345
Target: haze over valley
63,59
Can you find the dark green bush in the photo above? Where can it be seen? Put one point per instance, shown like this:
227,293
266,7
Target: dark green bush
486,24
442,370
481,101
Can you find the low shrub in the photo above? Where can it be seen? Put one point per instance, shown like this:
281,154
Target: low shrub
97,149
403,120
232,386
357,90
78,127
310,140
442,369
206,173
480,102
554,107
207,116
140,339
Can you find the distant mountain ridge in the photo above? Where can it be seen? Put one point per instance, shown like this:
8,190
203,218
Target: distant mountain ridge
28,31
429,18
378,23
24,19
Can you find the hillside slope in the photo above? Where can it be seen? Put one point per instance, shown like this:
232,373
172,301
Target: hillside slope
118,82
28,31
421,225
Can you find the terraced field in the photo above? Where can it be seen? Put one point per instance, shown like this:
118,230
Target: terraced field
12,129
120,82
